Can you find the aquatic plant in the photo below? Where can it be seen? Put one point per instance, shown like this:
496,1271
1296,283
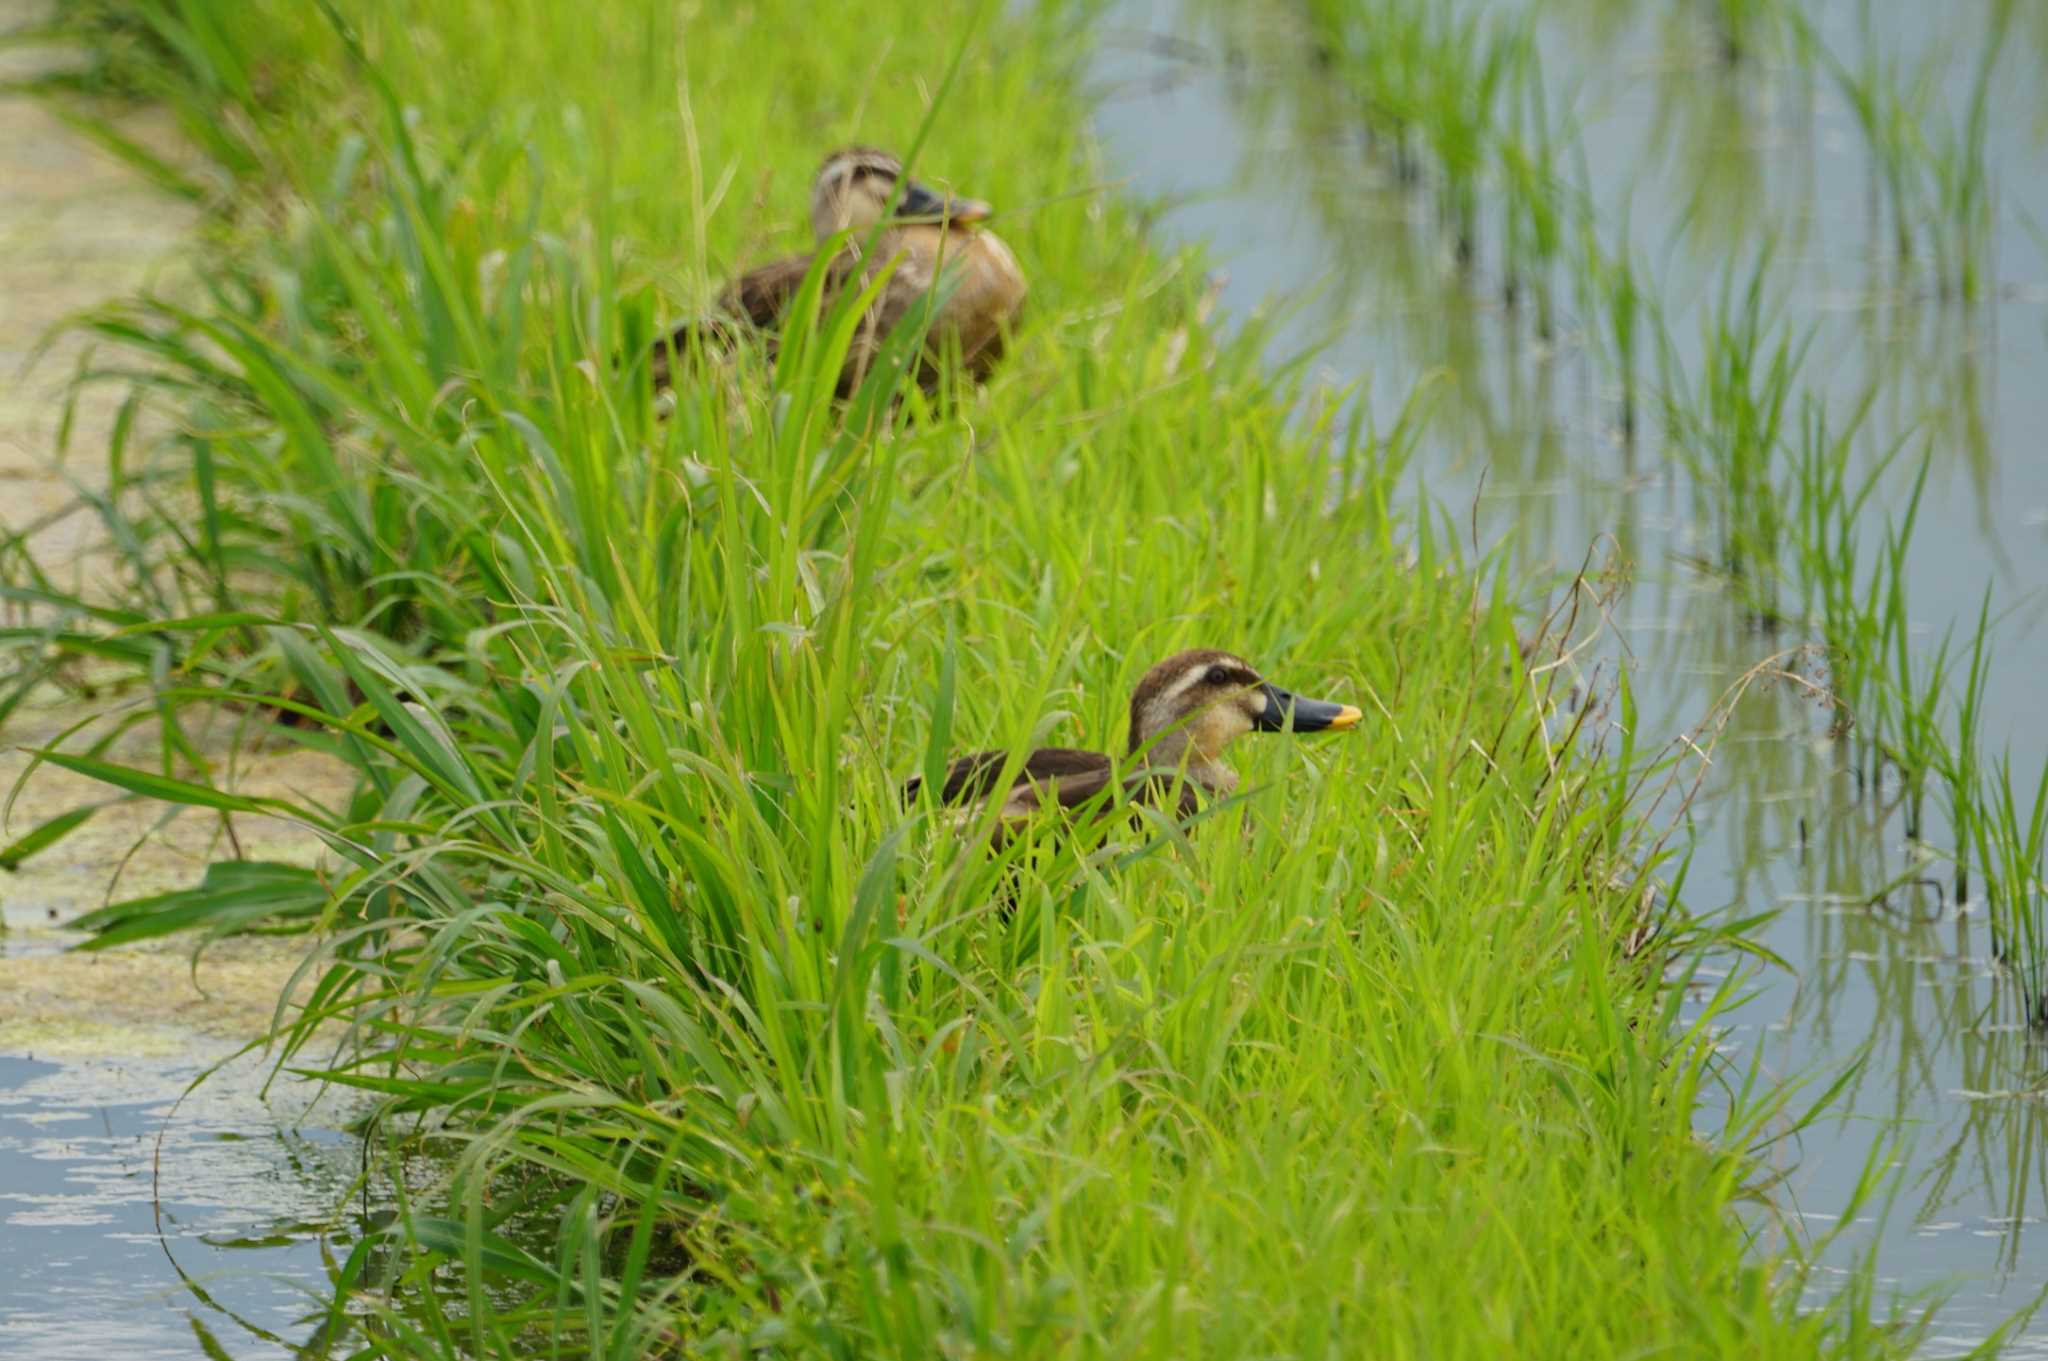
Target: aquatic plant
1539,206
1747,28
1727,426
1934,172
1457,95
2011,844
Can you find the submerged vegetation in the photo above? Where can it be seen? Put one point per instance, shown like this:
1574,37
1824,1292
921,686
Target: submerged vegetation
723,1049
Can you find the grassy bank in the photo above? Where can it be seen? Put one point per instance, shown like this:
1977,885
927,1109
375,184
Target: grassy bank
721,1050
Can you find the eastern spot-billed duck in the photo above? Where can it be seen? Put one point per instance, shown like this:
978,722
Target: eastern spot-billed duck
1185,711
927,234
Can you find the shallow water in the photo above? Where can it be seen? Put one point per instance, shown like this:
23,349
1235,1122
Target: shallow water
136,1216
1221,113
132,1224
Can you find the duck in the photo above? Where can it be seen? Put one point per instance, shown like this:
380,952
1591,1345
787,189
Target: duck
1184,712
932,237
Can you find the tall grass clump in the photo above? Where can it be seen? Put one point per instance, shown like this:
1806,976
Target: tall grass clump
712,1044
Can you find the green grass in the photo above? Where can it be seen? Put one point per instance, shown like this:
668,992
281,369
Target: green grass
724,1050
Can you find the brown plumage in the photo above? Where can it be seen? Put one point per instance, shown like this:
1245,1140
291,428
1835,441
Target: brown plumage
1184,712
930,237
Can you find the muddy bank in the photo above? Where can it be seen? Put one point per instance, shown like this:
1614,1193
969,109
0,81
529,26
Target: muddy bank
76,228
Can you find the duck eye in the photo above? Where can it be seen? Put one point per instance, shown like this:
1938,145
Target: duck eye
1217,676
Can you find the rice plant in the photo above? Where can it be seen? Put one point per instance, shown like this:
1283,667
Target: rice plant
1455,93
1728,426
2011,846
1962,199
1933,169
1749,29
1540,207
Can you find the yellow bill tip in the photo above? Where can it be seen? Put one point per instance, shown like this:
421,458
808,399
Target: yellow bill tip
966,212
1347,717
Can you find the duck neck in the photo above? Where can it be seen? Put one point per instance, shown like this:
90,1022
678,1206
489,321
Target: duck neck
1176,749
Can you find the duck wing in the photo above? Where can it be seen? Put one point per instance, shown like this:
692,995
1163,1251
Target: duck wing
1071,776
986,303
764,293
758,298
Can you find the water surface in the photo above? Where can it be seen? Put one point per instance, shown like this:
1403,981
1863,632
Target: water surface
1227,116
137,1220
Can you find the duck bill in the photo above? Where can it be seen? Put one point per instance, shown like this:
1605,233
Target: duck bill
1286,711
924,202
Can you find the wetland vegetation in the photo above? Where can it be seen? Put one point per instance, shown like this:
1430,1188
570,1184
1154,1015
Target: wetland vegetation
716,1047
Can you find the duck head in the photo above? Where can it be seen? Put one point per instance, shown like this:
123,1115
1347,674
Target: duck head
1191,706
854,188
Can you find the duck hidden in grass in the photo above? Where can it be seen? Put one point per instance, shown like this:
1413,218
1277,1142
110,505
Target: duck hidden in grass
942,257
1184,712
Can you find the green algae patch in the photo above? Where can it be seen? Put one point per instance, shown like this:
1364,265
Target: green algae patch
81,1037
134,848
140,1002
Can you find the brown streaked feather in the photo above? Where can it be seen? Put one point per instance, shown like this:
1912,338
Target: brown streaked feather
759,298
764,293
1070,778
973,777
707,335
984,297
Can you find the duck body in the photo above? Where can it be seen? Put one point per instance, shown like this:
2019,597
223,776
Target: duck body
1063,777
927,241
1184,712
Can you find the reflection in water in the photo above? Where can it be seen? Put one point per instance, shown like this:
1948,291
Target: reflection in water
1233,113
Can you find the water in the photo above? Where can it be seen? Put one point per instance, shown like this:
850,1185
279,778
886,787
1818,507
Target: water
138,1212
134,1223
1223,113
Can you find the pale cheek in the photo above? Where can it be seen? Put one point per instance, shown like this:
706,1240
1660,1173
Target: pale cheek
872,206
1220,726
